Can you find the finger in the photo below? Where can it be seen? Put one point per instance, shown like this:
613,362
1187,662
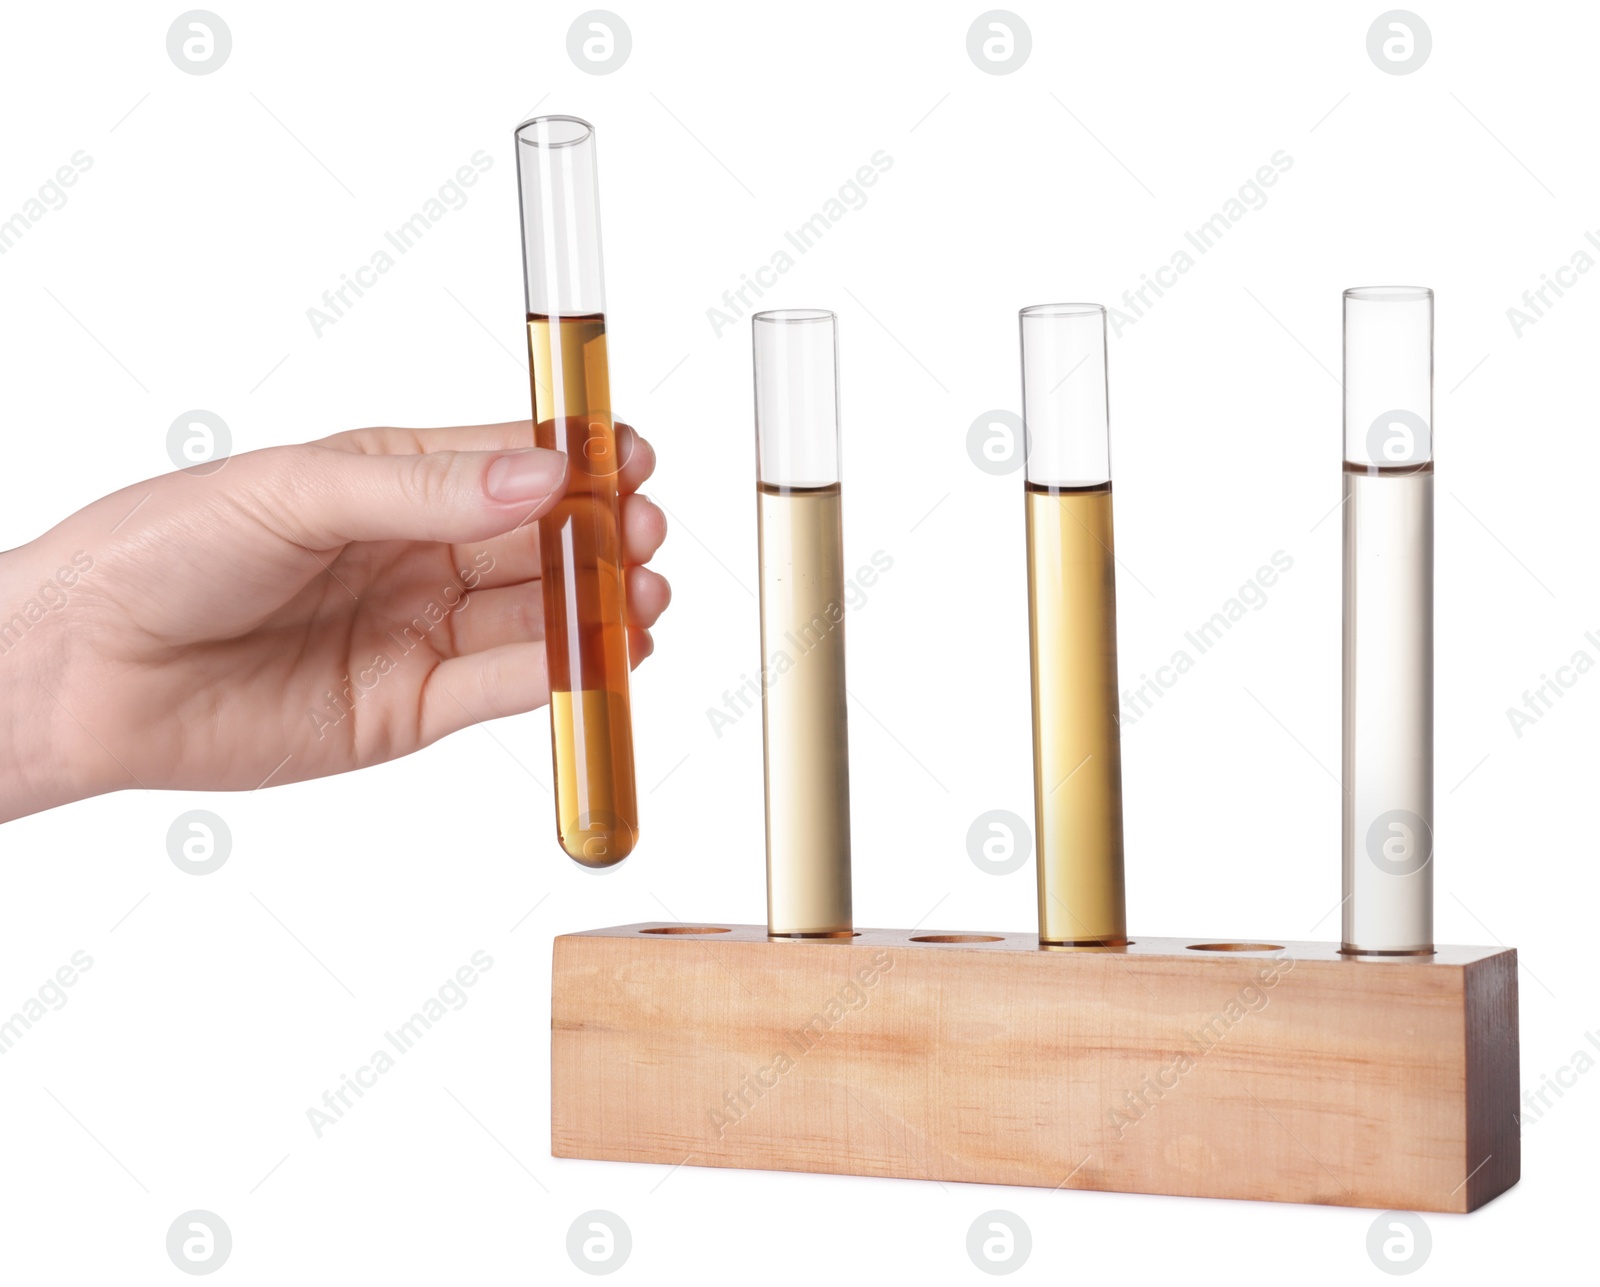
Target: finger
515,614
644,527
649,593
320,499
491,618
638,458
462,691
637,455
513,558
508,680
508,435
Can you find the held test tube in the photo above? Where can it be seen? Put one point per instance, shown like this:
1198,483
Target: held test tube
1072,615
802,624
580,541
1388,620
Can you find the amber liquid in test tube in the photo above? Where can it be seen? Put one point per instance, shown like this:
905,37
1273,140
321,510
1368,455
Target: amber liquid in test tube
580,540
1388,621
1072,614
803,712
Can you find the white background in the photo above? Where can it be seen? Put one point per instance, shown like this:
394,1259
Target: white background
221,1007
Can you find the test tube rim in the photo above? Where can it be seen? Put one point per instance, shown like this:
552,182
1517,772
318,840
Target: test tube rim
1390,294
584,137
1062,310
794,316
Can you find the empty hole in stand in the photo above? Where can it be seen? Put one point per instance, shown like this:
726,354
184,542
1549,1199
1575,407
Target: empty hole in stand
687,929
1236,947
957,938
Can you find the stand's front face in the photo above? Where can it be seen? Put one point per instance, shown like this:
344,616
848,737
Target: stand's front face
1281,1072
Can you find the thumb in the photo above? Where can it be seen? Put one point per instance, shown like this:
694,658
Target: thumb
320,498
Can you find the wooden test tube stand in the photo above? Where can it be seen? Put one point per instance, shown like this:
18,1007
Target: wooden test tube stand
1282,1072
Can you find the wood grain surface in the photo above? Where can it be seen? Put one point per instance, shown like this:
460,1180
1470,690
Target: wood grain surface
1287,1073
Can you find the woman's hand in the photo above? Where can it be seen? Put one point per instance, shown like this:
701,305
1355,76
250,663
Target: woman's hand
297,612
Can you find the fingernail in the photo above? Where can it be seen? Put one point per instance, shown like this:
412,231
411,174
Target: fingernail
525,475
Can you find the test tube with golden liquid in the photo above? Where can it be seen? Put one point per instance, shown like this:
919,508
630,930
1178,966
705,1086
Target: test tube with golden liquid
1388,621
580,540
802,624
1072,615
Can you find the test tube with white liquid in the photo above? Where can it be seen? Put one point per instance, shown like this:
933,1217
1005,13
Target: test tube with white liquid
1388,621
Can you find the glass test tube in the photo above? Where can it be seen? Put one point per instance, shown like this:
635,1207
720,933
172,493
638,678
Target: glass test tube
1072,614
580,541
802,624
1388,620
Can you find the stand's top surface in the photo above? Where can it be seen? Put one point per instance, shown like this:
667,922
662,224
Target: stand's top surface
984,941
